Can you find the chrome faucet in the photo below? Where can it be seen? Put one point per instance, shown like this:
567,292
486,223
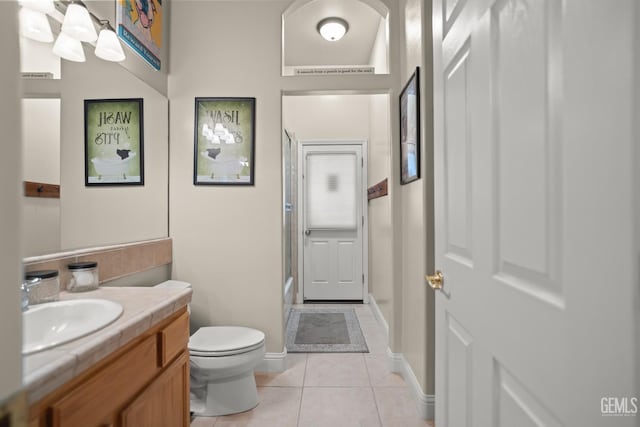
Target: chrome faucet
24,287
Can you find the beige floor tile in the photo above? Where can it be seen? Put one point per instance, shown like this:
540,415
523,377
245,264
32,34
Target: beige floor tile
397,408
278,407
376,344
336,370
338,407
379,373
292,377
203,422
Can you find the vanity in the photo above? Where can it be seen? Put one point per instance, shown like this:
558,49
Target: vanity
133,372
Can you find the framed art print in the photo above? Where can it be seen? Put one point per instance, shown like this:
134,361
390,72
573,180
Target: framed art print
113,142
224,149
139,25
410,129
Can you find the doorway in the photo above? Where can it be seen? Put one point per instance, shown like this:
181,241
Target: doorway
344,117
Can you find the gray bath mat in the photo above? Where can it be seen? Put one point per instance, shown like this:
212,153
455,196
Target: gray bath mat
324,330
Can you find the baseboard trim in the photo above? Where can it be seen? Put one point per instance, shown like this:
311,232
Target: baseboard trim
373,304
273,362
425,403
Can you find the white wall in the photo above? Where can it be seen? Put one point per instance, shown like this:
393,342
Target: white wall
379,57
228,239
10,165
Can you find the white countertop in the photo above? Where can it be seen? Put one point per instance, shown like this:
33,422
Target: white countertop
144,307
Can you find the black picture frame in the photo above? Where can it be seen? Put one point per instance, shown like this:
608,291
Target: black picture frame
113,142
224,141
410,129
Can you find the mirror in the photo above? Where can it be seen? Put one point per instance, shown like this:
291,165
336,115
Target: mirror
54,153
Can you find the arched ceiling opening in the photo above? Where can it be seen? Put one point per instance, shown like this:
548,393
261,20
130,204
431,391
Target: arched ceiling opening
365,44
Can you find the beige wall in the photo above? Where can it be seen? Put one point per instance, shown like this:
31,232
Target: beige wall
381,280
115,214
10,250
41,163
416,216
327,116
228,240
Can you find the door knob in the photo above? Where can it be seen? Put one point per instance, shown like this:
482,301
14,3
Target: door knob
307,232
435,280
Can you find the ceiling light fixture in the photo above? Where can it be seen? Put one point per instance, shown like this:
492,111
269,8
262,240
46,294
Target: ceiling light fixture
332,29
108,47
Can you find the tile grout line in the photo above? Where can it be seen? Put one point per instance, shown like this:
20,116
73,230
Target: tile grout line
304,377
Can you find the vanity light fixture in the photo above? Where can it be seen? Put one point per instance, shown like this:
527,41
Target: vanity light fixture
35,25
43,6
67,47
108,46
332,29
78,24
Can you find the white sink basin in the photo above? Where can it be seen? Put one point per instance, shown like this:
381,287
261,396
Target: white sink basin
51,324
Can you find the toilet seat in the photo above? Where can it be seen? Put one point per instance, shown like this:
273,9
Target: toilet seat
217,341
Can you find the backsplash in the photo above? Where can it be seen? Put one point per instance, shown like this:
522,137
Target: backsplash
114,261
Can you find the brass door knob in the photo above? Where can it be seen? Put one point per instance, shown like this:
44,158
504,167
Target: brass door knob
435,280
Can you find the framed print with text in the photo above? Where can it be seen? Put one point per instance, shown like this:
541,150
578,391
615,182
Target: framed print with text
113,142
224,147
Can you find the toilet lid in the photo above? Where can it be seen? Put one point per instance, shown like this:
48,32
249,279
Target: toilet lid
225,340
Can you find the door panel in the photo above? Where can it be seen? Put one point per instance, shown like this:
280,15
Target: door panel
457,152
320,268
525,213
459,374
333,221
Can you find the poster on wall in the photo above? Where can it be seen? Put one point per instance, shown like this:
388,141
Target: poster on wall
113,142
139,25
224,141
410,130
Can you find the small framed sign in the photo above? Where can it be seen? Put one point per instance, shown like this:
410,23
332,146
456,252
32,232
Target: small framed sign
113,142
223,143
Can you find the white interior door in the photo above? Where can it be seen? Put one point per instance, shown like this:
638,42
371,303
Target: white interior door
332,222
536,181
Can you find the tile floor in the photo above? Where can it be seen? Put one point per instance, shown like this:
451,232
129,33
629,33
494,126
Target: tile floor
331,389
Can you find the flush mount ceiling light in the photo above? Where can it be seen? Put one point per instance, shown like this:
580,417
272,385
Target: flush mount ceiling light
333,29
78,24
108,47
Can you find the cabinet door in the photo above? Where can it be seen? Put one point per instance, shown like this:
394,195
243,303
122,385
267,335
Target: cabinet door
164,403
95,402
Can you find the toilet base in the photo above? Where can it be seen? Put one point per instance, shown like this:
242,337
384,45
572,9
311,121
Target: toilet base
227,396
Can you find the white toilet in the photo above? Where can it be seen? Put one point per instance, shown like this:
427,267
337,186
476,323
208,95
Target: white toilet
222,362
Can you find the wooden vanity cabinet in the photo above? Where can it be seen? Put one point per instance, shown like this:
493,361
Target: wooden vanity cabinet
146,383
